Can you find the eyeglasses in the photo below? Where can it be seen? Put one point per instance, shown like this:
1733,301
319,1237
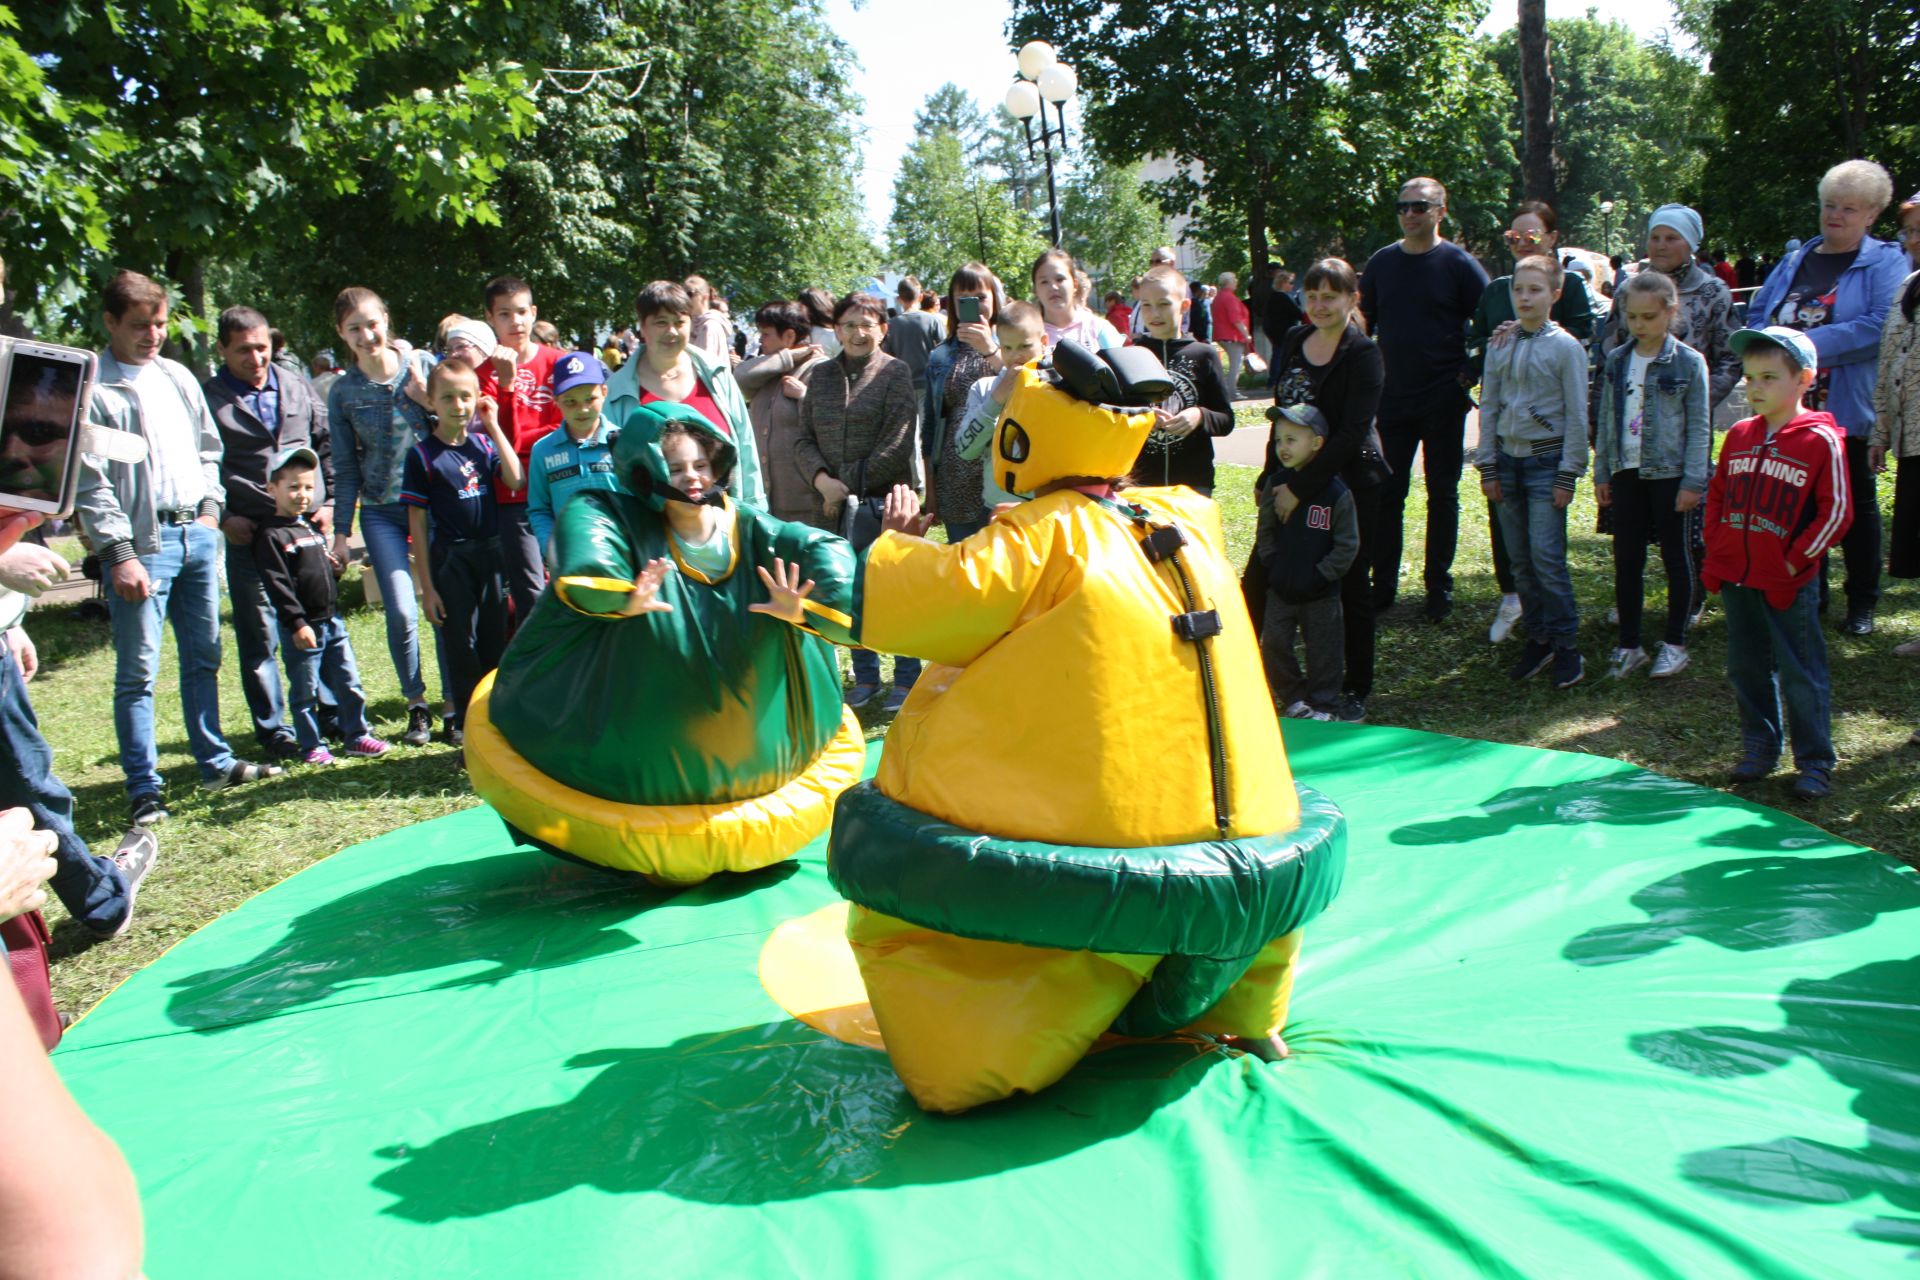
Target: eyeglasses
1525,237
1412,206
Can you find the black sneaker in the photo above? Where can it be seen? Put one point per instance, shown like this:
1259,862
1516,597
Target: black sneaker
1859,623
1350,710
148,809
1813,784
1439,605
241,773
135,857
419,726
282,749
1752,768
1569,668
1534,659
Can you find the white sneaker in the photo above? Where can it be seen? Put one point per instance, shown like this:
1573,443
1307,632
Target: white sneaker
1625,662
1505,619
1298,710
1670,661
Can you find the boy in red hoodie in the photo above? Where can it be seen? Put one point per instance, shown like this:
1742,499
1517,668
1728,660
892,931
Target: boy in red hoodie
1777,501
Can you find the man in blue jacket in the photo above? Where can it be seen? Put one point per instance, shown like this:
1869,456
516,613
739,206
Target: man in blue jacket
1837,288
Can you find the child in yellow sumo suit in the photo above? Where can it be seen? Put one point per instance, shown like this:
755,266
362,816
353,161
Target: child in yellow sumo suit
1083,818
649,716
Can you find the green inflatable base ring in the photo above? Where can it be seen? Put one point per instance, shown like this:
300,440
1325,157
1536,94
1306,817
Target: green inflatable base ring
1215,899
1567,1017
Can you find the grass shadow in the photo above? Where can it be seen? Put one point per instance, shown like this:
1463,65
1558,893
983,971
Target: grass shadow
1862,1028
765,1114
512,912
1754,904
1627,798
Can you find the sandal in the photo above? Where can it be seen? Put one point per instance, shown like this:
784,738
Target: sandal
242,772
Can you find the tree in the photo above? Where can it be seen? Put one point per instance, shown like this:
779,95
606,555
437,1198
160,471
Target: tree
1536,103
1801,87
1107,221
1632,123
946,211
1288,108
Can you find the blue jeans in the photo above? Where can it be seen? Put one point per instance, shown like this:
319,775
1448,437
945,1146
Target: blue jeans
1535,532
960,530
866,669
329,667
1774,656
93,889
257,635
185,578
384,529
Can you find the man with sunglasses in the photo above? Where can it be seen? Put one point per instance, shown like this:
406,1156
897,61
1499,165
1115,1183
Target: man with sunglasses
1417,295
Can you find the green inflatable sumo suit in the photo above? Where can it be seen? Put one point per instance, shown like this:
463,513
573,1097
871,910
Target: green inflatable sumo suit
705,737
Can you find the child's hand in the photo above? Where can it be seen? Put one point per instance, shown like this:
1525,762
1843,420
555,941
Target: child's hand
646,590
433,606
786,593
1492,489
1603,494
1562,499
504,364
487,414
900,513
1686,501
305,639
1003,386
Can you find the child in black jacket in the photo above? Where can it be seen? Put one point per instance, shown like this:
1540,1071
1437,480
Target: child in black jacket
297,570
1180,448
1305,555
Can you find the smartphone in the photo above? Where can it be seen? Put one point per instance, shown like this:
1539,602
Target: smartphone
44,391
966,308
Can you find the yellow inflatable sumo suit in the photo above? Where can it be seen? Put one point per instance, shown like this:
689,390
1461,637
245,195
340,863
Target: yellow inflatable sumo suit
1083,817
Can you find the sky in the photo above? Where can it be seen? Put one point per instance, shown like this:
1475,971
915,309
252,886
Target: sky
905,49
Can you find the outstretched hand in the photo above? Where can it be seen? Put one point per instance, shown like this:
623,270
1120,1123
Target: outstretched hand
786,593
646,590
900,513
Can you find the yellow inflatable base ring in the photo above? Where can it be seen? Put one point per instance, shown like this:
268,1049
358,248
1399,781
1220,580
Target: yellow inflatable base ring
675,845
968,1022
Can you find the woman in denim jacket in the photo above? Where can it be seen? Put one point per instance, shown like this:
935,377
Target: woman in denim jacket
375,422
1652,438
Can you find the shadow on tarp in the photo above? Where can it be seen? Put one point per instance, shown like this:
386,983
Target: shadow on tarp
770,1113
1862,1028
1754,904
514,912
1629,798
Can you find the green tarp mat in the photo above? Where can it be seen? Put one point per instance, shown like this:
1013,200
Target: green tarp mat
1566,1018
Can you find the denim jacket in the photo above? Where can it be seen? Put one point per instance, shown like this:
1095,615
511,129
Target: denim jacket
1676,435
369,446
114,500
1849,343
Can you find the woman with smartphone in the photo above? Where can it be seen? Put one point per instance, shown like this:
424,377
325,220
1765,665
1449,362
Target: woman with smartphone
956,496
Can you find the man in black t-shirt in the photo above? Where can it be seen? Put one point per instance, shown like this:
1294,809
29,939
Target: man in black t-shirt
1417,295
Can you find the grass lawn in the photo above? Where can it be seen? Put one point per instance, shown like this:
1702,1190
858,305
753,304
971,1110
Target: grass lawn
219,849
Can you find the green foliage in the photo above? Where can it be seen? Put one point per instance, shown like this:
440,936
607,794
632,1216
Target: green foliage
1634,126
1302,116
1107,222
1801,87
946,211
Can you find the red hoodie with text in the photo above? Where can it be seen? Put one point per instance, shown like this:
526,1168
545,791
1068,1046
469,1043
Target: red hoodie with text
1775,505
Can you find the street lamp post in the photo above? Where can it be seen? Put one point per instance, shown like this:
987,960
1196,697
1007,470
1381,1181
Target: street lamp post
1043,79
1606,228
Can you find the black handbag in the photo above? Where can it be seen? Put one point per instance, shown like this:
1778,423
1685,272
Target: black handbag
860,516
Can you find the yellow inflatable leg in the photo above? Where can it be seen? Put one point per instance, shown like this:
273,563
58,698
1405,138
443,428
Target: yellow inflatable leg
968,1022
1256,1006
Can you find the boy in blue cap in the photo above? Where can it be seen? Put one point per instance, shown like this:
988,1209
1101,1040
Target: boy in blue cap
578,457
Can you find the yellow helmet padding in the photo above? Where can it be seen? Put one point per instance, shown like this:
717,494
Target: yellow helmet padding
1044,435
671,844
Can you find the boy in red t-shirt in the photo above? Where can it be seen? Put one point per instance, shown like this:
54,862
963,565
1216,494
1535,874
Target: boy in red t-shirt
1777,501
524,369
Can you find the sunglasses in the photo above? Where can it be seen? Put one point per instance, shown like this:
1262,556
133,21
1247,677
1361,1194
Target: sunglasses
1412,206
1524,237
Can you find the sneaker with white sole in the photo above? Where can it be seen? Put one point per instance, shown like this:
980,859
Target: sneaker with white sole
319,755
1505,619
1625,662
1569,668
366,745
1535,658
1297,710
138,851
1670,661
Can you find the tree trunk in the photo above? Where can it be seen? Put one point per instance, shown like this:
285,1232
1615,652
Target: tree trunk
1257,249
1536,103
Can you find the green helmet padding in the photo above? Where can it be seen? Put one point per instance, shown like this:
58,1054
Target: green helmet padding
637,459
1208,906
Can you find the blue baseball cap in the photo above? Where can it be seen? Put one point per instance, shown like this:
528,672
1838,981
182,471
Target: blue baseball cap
577,369
1797,345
